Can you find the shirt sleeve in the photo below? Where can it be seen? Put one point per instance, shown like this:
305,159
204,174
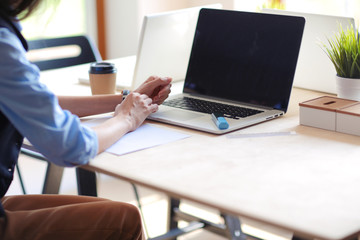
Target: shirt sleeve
35,111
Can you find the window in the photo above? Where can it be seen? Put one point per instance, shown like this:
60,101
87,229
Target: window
68,17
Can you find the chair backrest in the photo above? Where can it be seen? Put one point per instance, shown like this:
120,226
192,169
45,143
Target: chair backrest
52,53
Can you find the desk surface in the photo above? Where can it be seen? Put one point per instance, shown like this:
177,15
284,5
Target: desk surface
307,182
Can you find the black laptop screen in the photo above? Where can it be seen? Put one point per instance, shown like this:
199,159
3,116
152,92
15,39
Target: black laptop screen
246,57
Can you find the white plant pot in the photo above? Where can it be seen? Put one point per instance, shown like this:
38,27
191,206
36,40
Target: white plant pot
348,88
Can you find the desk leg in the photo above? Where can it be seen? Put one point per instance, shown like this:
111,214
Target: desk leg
233,227
86,181
53,178
172,221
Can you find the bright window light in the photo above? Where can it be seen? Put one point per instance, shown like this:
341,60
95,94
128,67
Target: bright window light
65,19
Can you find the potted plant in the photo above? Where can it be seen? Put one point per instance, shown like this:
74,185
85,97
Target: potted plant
344,52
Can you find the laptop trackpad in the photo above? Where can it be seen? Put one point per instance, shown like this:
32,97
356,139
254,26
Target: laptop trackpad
178,115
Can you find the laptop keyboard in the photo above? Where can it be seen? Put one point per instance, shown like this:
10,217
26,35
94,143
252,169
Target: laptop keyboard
204,106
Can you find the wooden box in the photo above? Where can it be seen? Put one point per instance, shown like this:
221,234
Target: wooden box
321,112
348,119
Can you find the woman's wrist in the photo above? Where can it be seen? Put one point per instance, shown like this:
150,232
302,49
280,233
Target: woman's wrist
124,94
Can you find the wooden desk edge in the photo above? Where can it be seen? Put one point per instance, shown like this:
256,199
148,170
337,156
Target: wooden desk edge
299,233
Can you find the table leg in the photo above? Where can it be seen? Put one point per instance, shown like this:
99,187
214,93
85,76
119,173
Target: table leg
86,182
53,178
233,227
230,229
172,221
53,174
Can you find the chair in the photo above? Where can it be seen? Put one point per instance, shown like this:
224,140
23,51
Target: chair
55,53
52,53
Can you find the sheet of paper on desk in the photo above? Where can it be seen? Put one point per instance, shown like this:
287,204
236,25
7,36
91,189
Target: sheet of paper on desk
146,136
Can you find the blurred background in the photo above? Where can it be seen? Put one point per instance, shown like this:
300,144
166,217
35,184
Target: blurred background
115,25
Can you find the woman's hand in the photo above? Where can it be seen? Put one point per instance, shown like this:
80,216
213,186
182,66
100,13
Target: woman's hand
135,109
132,112
158,89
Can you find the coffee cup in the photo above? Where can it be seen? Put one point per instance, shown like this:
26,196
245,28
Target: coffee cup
102,77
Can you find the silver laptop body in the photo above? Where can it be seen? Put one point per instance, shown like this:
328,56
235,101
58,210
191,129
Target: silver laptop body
238,59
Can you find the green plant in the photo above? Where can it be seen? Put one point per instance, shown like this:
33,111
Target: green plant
344,52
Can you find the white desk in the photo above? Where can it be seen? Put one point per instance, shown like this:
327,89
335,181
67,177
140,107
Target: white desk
308,183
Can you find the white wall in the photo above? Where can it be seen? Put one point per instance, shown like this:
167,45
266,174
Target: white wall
91,21
227,4
124,19
121,27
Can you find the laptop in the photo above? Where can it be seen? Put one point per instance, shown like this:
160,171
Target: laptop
164,48
241,62
315,71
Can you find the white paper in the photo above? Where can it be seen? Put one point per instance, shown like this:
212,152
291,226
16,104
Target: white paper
146,136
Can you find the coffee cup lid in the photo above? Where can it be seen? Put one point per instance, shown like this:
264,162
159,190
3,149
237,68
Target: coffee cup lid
102,68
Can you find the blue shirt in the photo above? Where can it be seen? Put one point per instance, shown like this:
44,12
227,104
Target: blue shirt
34,110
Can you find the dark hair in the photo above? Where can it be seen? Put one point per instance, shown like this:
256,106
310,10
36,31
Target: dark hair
18,8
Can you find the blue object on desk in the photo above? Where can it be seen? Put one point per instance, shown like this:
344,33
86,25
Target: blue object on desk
220,121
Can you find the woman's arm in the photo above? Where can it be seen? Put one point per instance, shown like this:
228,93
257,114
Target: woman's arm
127,117
90,105
158,89
133,111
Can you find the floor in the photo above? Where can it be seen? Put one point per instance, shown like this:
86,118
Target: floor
154,204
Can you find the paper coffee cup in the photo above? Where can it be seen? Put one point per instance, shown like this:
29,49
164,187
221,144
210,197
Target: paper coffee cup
102,77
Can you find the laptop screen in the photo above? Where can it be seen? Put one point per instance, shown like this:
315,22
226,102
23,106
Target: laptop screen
244,57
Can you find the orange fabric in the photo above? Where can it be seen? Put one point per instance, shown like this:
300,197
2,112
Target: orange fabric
55,217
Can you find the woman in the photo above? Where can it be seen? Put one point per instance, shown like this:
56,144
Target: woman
28,109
